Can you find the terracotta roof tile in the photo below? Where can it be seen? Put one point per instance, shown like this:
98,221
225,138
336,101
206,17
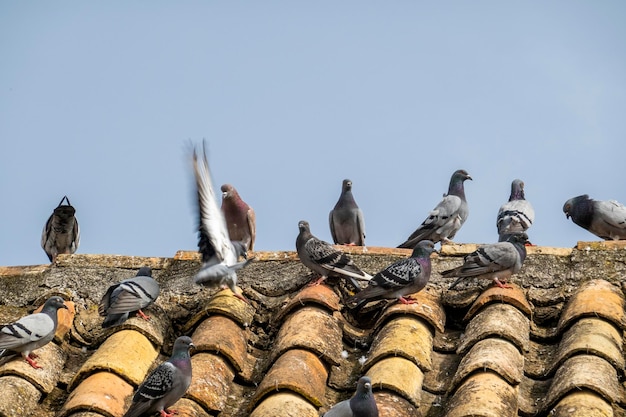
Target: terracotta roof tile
582,404
513,296
393,405
427,306
212,377
484,394
284,404
19,397
50,357
102,392
225,304
399,375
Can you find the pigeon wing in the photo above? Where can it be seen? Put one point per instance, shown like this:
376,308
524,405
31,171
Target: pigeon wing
26,330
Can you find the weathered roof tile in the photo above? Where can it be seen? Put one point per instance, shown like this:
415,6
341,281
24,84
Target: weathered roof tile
438,380
427,307
399,375
321,295
284,404
50,357
484,394
392,405
102,392
595,298
225,304
223,336
211,380
19,397
513,296
582,404
188,408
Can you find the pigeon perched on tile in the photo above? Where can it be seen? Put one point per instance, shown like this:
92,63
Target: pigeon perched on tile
130,295
239,216
605,219
323,258
61,233
517,214
31,332
165,385
497,261
347,225
362,403
399,279
447,217
220,255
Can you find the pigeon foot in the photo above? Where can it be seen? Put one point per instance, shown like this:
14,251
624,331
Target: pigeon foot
143,315
407,300
501,284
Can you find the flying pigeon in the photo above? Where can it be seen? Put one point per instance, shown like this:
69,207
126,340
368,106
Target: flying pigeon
517,214
61,233
130,295
220,255
165,385
399,279
447,218
362,403
239,216
323,258
31,332
497,261
347,225
605,219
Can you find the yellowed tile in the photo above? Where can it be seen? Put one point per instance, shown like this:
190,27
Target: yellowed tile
103,392
19,397
428,307
483,394
284,404
582,404
399,375
595,298
211,380
50,357
513,296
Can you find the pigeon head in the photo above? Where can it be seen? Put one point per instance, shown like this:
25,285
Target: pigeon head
423,248
364,386
456,183
228,191
571,206
517,190
347,185
54,303
516,237
144,271
460,175
303,225
182,344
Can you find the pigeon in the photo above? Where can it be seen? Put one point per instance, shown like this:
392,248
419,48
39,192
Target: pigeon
130,295
239,216
220,255
347,225
165,385
31,332
605,219
497,261
61,233
323,258
399,279
447,218
362,403
517,214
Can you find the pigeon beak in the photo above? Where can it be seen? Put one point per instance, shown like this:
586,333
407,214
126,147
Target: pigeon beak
225,194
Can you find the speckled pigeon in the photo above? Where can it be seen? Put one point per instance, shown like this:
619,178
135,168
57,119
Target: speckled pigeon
220,255
362,403
497,261
323,258
130,295
31,332
447,217
347,225
399,279
517,214
239,216
165,385
605,219
61,233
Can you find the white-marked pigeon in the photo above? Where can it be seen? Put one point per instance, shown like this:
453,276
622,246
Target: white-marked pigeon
517,214
130,295
323,258
347,225
605,219
497,261
362,403
165,385
220,255
447,218
239,216
61,233
399,279
31,332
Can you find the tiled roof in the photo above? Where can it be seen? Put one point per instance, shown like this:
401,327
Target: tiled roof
551,345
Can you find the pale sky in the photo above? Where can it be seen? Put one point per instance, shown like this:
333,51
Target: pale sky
99,100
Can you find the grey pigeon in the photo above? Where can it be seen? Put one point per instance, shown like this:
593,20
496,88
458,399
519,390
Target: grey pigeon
165,385
31,332
61,233
399,279
239,216
447,217
362,403
517,214
347,225
324,259
497,261
220,255
605,219
130,295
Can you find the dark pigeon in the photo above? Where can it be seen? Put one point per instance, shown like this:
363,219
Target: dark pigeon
362,403
605,219
399,279
130,295
321,257
165,385
31,332
61,234
447,217
347,225
517,214
239,216
497,261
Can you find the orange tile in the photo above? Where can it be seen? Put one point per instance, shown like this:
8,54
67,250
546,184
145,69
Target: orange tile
284,404
102,392
483,394
51,358
155,329
19,397
211,380
602,245
223,336
225,304
513,296
399,375
428,307
65,320
392,405
582,404
319,294
188,408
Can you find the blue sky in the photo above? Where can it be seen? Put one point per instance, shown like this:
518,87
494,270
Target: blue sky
99,100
